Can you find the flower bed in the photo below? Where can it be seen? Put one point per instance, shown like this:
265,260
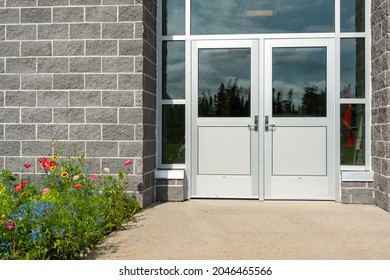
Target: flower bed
63,215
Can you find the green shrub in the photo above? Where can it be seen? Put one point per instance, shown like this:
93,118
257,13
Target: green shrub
66,214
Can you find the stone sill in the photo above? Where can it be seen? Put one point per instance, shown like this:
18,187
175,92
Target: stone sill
169,174
357,176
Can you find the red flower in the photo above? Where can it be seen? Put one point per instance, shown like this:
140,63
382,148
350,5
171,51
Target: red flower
19,188
42,160
128,162
10,224
23,182
94,176
27,165
78,186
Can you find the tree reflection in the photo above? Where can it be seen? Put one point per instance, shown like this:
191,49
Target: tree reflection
313,103
231,100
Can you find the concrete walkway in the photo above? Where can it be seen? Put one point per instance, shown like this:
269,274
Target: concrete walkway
233,230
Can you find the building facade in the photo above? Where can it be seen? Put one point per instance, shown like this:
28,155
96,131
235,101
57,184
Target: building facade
211,99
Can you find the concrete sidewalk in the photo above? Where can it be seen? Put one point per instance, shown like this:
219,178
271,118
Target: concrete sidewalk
233,230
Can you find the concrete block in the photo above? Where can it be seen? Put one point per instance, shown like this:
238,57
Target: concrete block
102,149
118,64
20,131
362,196
129,81
52,3
118,2
68,14
68,48
102,115
36,15
101,81
2,32
9,148
85,31
52,132
85,99
101,47
381,200
130,149
53,31
52,99
118,98
69,115
21,32
68,81
85,2
37,81
20,98
36,48
118,132
85,64
9,82
131,47
8,49
21,65
36,115
117,30
170,193
36,148
2,98
21,3
16,164
115,165
2,66
70,148
52,65
131,13
131,115
85,132
101,14
8,16
9,115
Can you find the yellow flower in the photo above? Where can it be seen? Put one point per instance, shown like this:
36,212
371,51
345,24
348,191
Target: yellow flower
64,174
53,167
54,157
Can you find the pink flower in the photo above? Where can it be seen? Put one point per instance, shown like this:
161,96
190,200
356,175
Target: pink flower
23,182
94,176
128,162
19,188
106,169
76,177
10,224
78,186
45,191
27,165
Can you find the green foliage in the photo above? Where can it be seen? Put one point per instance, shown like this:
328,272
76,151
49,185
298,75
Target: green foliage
64,215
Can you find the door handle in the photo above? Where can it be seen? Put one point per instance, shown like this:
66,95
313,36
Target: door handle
255,125
268,126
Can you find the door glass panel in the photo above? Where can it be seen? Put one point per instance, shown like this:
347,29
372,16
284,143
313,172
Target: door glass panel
352,15
352,134
352,68
173,131
173,70
261,16
299,82
224,83
173,17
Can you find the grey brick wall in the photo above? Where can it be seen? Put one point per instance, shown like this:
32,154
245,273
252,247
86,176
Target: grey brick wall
81,72
380,136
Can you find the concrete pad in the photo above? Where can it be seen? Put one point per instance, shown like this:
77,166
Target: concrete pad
234,230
